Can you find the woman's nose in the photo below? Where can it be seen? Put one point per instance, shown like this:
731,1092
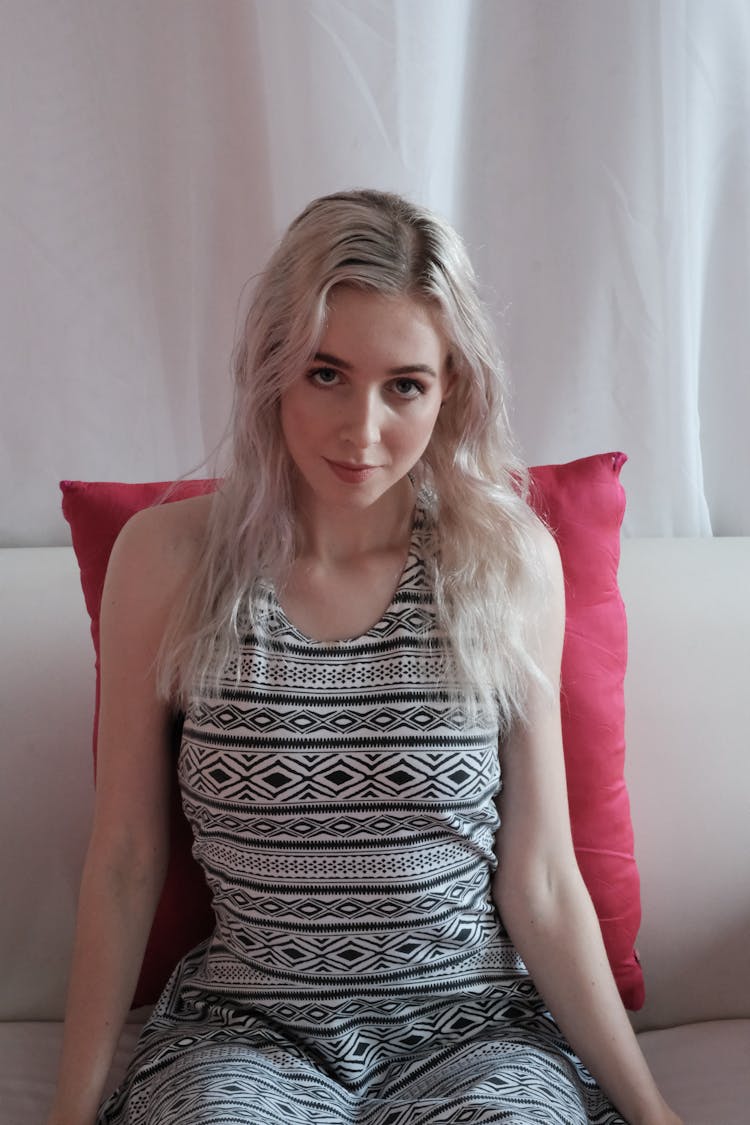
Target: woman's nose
362,420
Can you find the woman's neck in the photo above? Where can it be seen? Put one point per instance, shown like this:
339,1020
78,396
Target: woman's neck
333,535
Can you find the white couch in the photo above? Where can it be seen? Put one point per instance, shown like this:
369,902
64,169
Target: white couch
688,696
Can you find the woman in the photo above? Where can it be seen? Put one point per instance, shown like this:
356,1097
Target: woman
361,627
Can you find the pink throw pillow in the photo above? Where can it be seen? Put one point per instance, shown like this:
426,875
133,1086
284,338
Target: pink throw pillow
583,504
96,512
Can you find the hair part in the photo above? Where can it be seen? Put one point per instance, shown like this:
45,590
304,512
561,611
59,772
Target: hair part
486,569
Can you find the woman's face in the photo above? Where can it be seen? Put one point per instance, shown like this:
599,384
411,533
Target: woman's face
361,416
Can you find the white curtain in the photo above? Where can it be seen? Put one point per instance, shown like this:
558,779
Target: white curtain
594,153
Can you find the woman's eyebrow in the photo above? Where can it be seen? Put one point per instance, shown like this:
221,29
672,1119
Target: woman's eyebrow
326,357
414,369
406,369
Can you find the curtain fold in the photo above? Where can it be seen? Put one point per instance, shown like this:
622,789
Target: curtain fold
595,155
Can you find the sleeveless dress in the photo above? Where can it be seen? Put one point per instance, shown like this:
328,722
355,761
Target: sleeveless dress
343,811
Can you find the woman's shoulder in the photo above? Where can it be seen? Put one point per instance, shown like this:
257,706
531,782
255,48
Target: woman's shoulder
175,529
158,548
545,544
550,608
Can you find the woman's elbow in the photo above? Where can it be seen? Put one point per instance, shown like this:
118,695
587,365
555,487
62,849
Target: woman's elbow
125,866
534,893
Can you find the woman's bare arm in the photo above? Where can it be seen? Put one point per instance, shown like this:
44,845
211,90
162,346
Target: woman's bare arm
128,850
543,901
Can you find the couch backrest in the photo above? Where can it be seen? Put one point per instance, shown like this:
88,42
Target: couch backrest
46,709
688,729
688,770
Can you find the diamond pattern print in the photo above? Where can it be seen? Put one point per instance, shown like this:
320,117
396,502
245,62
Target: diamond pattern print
343,812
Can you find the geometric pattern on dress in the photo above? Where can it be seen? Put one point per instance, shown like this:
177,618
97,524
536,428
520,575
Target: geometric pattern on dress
344,813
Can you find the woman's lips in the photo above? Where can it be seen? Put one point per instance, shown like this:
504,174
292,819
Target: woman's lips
352,474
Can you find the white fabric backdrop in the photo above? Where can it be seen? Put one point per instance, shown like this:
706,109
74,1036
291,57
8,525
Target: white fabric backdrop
594,153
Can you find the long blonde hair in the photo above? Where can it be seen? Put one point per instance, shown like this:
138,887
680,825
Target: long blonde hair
486,569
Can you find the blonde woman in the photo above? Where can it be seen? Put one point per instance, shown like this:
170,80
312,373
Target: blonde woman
363,630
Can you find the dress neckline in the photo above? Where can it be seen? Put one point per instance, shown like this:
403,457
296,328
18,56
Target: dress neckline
375,629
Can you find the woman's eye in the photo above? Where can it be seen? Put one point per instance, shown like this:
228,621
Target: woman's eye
324,376
407,388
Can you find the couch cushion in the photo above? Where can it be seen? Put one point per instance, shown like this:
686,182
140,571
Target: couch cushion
29,1053
703,1070
583,503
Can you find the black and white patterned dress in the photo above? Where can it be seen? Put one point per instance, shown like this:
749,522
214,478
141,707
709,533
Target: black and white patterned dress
343,812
